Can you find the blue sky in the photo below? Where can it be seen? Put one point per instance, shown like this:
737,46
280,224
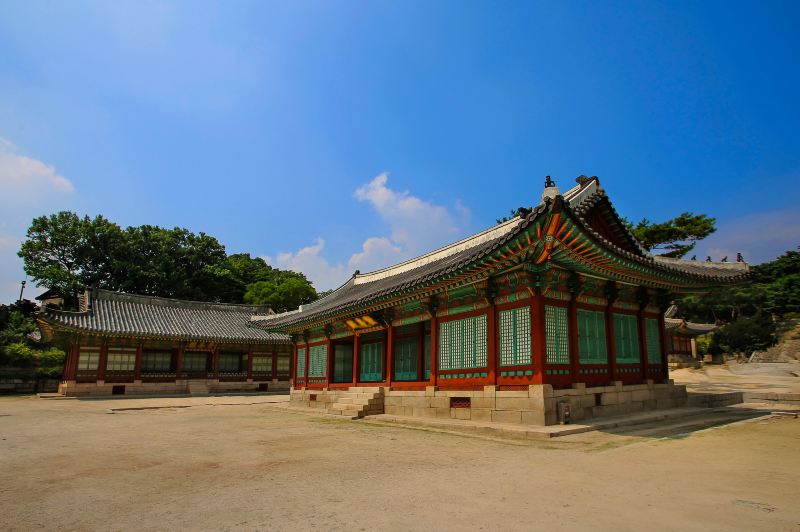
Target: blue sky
330,136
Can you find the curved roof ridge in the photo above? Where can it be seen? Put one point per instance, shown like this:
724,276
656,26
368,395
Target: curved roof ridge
440,253
703,263
109,295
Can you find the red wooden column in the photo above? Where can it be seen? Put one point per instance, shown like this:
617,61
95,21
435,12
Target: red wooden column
68,361
329,362
389,355
491,331
101,369
215,366
179,363
572,332
539,339
71,362
356,357
137,368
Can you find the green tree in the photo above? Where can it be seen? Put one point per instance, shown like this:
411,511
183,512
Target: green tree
676,237
286,295
66,252
745,335
169,263
70,253
19,351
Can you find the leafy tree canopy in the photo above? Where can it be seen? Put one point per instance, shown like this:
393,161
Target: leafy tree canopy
676,237
283,296
19,351
67,252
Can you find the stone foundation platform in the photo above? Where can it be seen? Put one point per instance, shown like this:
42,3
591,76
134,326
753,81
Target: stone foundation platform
179,387
536,405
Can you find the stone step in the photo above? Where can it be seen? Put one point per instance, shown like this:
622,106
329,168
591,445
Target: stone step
358,400
366,389
346,406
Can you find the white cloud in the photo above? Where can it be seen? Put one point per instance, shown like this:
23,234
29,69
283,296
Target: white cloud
28,188
309,261
26,179
376,253
416,226
758,237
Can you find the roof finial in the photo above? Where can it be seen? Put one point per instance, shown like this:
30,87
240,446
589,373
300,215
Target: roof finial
550,189
739,257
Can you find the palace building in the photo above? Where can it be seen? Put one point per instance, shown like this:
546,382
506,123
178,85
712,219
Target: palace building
556,313
132,345
682,338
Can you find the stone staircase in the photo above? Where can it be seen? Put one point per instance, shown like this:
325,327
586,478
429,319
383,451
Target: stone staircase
356,403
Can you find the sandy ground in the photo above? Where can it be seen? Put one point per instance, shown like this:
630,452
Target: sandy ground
238,463
757,377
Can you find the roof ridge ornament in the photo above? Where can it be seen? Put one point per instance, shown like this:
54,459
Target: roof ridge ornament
550,189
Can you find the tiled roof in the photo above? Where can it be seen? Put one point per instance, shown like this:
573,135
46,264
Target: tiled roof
577,201
363,288
689,328
130,315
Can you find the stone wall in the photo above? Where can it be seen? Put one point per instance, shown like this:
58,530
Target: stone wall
13,385
536,405
180,387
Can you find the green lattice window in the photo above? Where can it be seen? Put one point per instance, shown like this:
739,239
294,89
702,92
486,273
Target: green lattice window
88,359
343,363
653,340
514,336
592,337
372,362
318,360
626,338
406,354
557,334
231,362
121,359
301,362
153,361
283,365
195,361
262,364
463,343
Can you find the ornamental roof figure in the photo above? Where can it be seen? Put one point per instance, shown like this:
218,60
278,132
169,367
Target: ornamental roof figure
550,189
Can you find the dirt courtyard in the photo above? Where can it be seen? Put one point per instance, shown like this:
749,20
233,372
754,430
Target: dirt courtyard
242,464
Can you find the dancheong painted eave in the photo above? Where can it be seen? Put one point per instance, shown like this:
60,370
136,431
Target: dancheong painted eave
118,314
578,230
